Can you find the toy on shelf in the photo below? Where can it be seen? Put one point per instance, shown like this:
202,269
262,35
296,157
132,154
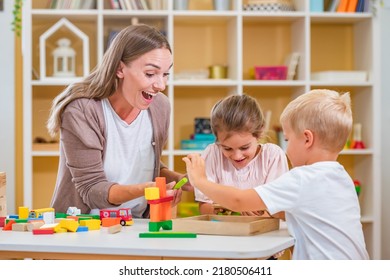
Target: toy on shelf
202,136
357,186
357,142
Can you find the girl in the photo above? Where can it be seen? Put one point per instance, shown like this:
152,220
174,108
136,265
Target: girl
237,158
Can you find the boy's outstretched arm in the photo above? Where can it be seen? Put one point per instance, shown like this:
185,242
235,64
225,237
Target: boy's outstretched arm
227,196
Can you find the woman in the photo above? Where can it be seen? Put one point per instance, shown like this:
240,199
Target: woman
113,126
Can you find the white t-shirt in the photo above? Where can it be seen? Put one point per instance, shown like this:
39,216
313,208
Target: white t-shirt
129,157
266,166
322,211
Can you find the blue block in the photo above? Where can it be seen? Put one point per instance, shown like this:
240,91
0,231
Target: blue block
82,228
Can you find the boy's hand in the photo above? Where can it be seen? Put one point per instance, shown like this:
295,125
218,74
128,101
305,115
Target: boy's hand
195,168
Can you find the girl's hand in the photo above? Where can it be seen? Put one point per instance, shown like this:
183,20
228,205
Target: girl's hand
195,168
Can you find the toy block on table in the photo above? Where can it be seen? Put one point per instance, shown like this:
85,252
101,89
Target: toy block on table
107,222
169,234
23,212
34,225
114,229
82,229
69,224
160,205
2,221
8,224
38,231
19,227
124,215
92,224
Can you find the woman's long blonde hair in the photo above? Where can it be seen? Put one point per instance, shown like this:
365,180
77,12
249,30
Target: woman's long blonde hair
129,44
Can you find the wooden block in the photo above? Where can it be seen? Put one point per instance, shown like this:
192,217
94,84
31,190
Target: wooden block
19,227
34,225
107,222
226,225
167,234
115,228
92,224
23,212
152,193
43,231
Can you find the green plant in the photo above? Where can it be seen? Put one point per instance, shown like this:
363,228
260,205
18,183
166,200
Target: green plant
17,21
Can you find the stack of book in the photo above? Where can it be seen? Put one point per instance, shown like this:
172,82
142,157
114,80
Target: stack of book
202,138
138,5
347,6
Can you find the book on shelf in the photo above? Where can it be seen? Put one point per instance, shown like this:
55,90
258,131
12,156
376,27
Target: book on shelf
360,6
71,4
343,6
352,4
115,4
332,6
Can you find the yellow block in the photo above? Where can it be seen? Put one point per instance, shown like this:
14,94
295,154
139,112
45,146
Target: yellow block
69,224
23,212
152,193
92,224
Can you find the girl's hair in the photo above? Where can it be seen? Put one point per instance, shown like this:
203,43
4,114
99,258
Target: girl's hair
128,45
237,113
325,112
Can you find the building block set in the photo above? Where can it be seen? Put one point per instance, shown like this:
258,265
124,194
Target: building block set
159,200
46,221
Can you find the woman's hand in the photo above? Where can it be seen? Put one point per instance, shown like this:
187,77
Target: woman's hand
175,193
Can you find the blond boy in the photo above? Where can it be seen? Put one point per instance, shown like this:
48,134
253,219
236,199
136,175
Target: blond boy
317,194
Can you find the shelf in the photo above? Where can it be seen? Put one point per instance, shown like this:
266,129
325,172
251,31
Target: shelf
238,39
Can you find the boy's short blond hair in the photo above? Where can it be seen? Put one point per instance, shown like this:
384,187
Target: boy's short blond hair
325,112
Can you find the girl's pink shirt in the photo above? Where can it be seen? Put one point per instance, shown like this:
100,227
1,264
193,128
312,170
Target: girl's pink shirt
266,166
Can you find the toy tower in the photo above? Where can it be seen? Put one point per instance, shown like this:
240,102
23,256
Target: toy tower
160,206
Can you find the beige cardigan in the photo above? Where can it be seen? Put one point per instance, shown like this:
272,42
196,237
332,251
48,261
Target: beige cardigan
81,181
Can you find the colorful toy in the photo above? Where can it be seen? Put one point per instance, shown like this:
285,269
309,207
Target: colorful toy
126,219
181,183
357,142
357,186
161,211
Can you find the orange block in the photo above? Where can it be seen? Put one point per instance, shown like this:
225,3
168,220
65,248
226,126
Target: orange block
107,222
161,183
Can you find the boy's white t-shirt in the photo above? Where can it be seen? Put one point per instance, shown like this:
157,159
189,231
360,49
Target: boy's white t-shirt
129,157
322,211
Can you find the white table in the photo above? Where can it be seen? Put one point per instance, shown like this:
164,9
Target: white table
99,244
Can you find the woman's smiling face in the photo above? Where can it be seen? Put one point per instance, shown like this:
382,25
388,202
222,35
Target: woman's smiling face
144,77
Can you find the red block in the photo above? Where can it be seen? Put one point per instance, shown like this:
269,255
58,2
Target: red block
43,231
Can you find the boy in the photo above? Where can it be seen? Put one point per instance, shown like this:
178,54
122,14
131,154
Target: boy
317,194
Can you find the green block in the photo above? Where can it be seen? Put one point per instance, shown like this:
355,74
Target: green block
155,226
169,234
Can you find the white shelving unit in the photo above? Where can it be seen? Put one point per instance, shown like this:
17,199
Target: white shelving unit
240,39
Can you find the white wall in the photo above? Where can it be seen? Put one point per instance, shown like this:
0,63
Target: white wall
7,103
385,80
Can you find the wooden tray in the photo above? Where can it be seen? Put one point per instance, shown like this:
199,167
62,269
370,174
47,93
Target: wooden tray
225,225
